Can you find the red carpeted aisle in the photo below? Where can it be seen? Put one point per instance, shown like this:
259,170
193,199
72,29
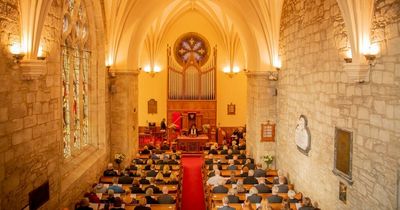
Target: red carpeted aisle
192,189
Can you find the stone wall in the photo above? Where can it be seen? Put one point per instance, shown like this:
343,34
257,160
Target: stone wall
30,118
261,103
312,82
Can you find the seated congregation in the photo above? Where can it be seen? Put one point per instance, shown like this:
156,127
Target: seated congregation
232,180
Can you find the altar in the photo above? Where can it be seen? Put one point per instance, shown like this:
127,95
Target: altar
192,143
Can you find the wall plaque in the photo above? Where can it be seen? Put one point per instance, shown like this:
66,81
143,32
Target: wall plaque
268,131
152,106
231,109
302,135
343,154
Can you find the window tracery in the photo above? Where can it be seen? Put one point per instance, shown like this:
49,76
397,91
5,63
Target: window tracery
75,55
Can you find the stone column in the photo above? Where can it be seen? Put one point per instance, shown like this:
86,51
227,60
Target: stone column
124,117
261,105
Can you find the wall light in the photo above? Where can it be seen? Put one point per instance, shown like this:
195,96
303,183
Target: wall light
370,54
108,67
277,64
348,56
15,50
152,71
41,55
230,71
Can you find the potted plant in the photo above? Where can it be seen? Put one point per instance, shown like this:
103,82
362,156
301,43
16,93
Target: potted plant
268,159
119,158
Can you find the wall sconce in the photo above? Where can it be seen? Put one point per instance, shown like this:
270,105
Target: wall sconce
231,70
15,50
370,54
41,55
277,63
348,56
152,71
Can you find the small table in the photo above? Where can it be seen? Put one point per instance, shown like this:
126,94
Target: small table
192,143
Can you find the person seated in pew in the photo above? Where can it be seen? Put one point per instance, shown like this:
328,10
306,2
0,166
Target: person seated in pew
137,173
244,172
214,180
142,205
242,145
117,204
247,205
145,151
125,178
214,168
292,199
249,164
281,175
154,156
152,172
250,179
229,155
110,198
153,186
135,188
165,146
173,160
240,187
235,160
115,187
283,188
110,171
242,154
220,188
150,145
157,150
262,187
264,205
132,166
159,179
232,197
149,196
209,159
235,150
84,205
143,179
149,163
173,179
259,172
232,179
224,150
254,197
213,150
165,198
231,165
225,203
100,188
306,204
92,196
163,160
285,204
166,171
275,198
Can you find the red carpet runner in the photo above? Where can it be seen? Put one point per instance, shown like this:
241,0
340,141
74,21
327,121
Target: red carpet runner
192,189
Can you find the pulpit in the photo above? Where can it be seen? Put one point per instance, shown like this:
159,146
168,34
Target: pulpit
192,143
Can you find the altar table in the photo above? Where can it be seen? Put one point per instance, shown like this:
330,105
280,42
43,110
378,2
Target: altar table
192,143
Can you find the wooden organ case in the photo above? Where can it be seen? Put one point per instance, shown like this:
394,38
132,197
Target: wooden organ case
192,83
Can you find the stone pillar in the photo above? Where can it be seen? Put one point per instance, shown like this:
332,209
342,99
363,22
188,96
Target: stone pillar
124,117
261,105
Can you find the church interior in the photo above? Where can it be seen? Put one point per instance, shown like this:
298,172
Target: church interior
307,91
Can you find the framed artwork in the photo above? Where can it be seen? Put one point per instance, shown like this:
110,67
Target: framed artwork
231,109
342,192
152,106
343,154
302,135
268,131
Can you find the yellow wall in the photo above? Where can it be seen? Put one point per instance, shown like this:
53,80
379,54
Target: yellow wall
229,90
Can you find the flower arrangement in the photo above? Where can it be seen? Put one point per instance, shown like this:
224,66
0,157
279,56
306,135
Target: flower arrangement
268,159
119,157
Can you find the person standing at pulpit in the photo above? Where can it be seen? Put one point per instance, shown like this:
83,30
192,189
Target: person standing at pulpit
193,130
163,125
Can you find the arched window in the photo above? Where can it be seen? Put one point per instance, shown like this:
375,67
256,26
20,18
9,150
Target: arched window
75,68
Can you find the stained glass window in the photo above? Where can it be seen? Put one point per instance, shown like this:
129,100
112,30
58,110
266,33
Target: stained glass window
75,78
